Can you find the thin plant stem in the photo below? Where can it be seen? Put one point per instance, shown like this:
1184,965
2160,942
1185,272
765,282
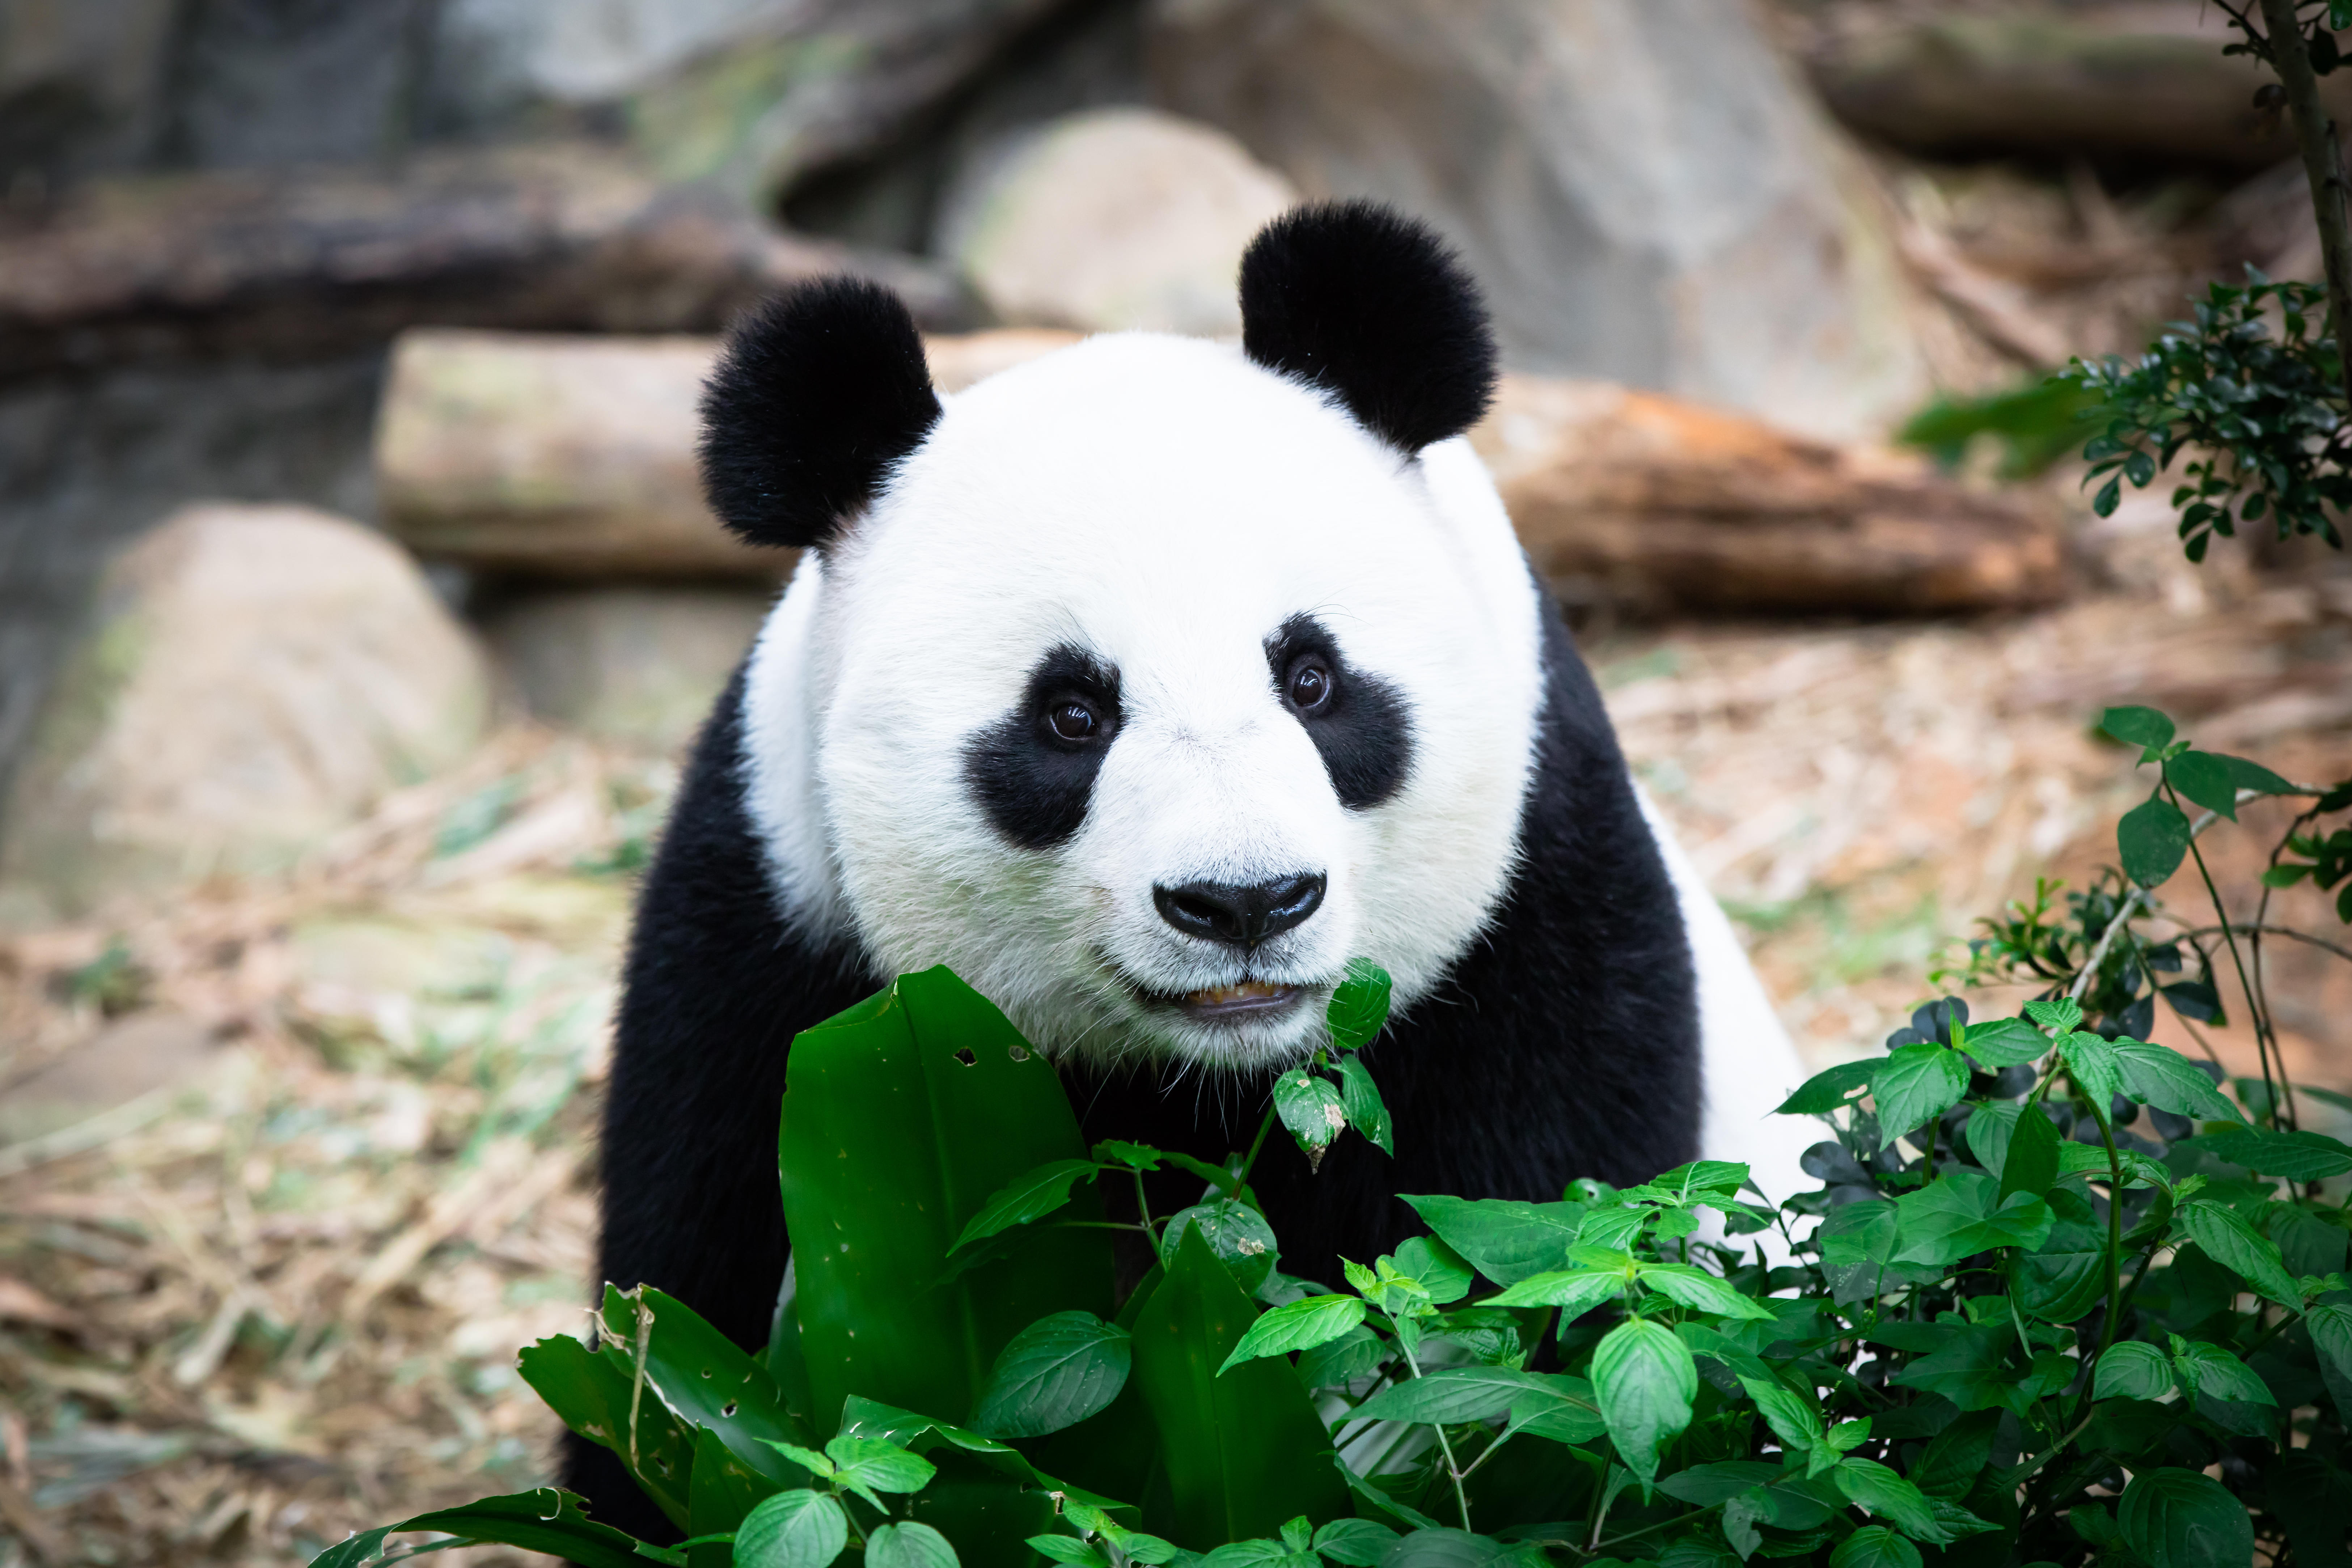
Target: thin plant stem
2289,932
1453,1471
2265,1044
1249,1161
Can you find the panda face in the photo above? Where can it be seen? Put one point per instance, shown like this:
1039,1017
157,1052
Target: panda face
1149,690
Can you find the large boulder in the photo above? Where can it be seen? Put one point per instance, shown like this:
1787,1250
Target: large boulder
635,664
1112,219
255,677
1644,193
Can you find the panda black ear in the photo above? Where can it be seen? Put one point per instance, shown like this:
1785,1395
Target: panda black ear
1372,307
819,392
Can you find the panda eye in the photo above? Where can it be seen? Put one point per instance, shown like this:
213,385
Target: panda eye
1310,683
1073,721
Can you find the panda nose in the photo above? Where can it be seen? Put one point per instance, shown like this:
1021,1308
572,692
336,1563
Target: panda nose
1240,915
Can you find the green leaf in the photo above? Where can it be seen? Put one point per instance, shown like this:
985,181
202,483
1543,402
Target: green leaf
1444,1548
1696,1289
590,1391
2245,775
2152,837
2210,1370
1032,1195
1874,1546
721,1490
1354,1542
1311,1108
1961,1213
2032,1156
2331,1334
2131,1370
1917,1083
1244,1451
2006,1042
1890,1497
2092,1063
2297,1156
706,1380
908,1546
1504,1239
1557,1406
1302,1326
2166,1079
1987,1132
544,1521
1239,1236
1793,1420
793,1530
901,1117
2067,1276
1454,1393
1829,1090
1359,1006
2109,496
2141,726
1361,1100
1070,1550
2059,1015
1054,1374
2180,1519
1645,1379
1955,1461
871,1466
1442,1272
2229,1240
1572,1291
2205,779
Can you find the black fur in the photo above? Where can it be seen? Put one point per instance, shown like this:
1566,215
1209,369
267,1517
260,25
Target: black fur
1371,306
1363,730
715,988
1564,1044
820,390
1033,784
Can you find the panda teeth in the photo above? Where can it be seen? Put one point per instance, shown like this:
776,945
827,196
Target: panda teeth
1248,990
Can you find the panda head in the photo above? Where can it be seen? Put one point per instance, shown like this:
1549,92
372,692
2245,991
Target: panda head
1147,683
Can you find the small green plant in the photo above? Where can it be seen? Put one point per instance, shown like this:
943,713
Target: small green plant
2063,1296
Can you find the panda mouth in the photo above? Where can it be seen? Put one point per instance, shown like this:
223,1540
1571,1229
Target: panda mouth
1250,998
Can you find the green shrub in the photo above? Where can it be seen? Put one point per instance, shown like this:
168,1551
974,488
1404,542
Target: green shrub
2059,1298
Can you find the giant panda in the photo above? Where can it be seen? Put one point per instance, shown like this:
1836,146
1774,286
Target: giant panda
1145,683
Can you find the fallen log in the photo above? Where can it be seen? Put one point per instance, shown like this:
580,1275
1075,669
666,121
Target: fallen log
1651,504
301,262
2144,81
574,458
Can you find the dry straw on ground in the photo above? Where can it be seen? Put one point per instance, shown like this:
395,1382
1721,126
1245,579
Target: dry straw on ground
270,1290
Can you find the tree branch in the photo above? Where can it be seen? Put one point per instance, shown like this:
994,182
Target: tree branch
2323,167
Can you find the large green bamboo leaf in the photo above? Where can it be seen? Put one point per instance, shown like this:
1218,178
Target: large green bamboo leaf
706,1380
723,1490
901,1117
1244,1452
544,1521
591,1390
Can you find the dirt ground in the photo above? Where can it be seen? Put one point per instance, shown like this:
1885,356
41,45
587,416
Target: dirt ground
288,1172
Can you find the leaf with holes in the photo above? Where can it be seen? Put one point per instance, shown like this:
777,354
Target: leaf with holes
1311,1108
544,1521
1829,1090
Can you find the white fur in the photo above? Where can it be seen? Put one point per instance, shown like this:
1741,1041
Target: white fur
1166,504
1748,1063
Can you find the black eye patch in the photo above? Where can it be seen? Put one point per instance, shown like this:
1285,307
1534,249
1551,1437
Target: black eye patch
1358,722
1034,770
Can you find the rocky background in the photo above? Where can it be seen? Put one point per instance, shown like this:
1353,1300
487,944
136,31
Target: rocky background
356,596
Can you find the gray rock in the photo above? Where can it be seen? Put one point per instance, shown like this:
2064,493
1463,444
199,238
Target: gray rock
1112,219
1645,195
638,666
255,677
